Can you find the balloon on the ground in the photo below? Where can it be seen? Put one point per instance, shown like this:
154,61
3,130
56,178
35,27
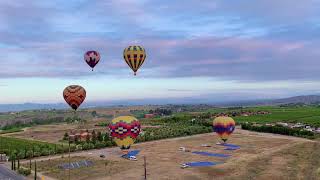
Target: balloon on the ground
134,57
92,58
74,95
223,126
124,130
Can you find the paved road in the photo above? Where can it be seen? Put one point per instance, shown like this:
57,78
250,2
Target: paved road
7,174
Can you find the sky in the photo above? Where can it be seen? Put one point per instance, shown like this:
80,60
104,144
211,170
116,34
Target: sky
211,49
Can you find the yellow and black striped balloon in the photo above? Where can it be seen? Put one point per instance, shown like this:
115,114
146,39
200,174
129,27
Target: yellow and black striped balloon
134,57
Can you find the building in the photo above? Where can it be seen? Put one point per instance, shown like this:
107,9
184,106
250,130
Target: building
4,158
298,125
82,136
149,116
282,124
85,135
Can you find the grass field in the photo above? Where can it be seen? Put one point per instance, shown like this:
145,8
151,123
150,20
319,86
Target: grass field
309,115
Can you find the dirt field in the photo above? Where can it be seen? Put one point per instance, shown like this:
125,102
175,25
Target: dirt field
54,133
261,156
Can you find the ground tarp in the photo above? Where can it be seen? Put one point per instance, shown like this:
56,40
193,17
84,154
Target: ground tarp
211,154
230,147
131,153
75,165
201,164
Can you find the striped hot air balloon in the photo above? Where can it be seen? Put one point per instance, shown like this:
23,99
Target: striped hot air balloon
74,95
124,130
134,57
223,126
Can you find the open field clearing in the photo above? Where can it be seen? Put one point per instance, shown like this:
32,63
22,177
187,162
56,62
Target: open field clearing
54,133
261,156
308,115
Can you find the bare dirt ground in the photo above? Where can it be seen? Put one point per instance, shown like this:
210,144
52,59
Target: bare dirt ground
261,156
54,133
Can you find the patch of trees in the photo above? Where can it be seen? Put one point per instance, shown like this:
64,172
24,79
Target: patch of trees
161,111
96,140
151,134
279,130
74,119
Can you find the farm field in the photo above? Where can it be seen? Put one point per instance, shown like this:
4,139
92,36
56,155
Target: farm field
26,147
53,133
309,115
261,156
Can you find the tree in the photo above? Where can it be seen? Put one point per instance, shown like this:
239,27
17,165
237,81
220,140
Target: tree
94,113
76,139
66,136
99,136
94,136
88,137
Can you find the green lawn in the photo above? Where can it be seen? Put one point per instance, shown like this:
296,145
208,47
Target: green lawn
309,115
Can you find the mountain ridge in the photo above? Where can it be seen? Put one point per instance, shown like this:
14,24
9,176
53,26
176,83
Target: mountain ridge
306,99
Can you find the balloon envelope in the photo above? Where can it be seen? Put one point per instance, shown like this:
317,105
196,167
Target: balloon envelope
92,58
134,57
223,126
124,130
74,95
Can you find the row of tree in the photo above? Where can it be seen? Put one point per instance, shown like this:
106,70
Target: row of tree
161,111
279,130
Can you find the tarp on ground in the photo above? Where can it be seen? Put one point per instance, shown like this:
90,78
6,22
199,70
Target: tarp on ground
229,145
75,165
231,149
202,163
131,153
211,154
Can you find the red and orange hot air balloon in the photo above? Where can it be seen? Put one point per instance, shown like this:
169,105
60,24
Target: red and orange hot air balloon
74,95
92,58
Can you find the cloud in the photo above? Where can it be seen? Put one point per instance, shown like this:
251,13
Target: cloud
241,40
181,90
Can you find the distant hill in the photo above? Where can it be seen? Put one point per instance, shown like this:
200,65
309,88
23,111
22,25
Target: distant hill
307,99
29,106
310,99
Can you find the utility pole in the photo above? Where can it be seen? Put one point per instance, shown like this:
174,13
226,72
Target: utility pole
145,168
69,159
35,170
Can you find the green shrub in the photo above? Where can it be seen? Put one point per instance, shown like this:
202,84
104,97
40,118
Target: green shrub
24,171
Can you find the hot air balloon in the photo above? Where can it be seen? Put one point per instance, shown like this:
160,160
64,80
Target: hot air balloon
124,130
223,126
74,95
92,58
134,57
